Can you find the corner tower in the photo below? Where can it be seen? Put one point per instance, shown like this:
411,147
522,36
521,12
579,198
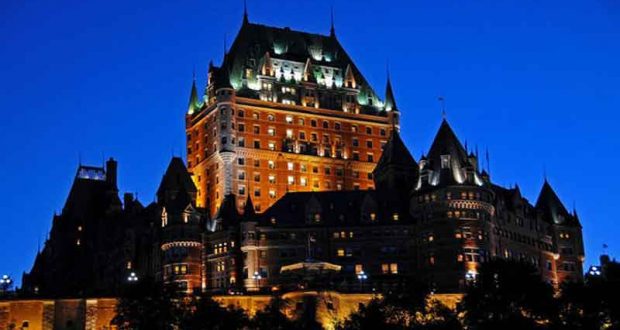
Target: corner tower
181,241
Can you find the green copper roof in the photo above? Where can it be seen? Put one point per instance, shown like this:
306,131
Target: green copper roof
254,43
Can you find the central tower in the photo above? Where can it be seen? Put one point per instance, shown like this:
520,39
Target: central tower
285,111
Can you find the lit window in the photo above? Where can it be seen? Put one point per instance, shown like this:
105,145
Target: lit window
272,178
394,268
445,161
373,216
303,181
290,166
359,268
340,252
271,164
272,146
289,119
291,179
385,268
289,133
271,131
272,193
395,217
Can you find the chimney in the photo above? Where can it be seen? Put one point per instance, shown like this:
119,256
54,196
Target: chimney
127,199
110,172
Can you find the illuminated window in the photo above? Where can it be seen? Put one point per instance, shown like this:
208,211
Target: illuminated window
393,268
291,179
340,252
290,166
359,268
289,133
272,146
303,181
271,164
445,161
385,268
273,220
395,216
128,264
289,119
271,131
272,193
272,178
354,128
373,216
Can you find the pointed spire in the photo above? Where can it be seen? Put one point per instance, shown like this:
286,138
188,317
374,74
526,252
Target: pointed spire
245,12
194,104
550,204
390,101
248,209
332,30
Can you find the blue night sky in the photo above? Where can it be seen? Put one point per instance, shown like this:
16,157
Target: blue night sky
535,82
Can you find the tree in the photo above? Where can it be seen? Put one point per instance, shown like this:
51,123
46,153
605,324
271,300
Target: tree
509,295
205,313
148,305
272,317
594,304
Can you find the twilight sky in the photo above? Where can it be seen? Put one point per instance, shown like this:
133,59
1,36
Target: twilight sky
535,82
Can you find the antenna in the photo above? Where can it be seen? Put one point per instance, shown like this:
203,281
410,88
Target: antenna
488,161
332,30
442,102
245,12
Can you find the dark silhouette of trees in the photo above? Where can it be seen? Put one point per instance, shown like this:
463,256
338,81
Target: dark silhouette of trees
202,312
594,304
509,295
273,317
147,305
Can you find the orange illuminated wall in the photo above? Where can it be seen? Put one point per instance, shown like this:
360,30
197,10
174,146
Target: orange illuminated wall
283,148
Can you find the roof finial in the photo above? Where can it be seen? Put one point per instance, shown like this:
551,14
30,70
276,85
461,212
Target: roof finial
488,162
390,101
332,30
245,12
442,103
545,173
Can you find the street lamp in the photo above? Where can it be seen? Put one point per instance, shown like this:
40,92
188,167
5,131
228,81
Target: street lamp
132,277
5,283
361,276
470,276
257,277
594,271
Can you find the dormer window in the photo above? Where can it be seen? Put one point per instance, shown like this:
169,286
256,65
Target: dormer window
445,161
164,218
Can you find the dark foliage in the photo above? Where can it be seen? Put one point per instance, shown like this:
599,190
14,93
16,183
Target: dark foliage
147,305
509,295
591,305
202,312
273,316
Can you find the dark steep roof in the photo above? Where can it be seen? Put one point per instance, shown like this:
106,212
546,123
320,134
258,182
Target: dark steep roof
395,153
447,143
552,207
175,179
336,208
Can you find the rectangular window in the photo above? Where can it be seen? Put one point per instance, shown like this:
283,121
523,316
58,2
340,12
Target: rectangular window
271,164
256,129
257,144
